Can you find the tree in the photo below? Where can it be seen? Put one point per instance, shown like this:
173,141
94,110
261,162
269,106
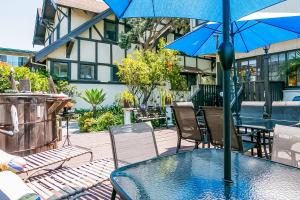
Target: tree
144,71
94,97
146,32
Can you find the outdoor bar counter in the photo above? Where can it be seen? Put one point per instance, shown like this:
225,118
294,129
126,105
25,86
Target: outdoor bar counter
28,122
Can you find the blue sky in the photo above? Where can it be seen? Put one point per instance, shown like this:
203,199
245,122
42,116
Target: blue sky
17,18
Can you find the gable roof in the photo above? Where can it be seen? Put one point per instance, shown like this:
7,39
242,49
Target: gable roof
79,30
95,6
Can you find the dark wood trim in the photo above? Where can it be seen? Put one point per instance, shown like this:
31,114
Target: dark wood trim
111,53
69,48
95,82
98,32
62,12
96,52
90,33
99,41
69,19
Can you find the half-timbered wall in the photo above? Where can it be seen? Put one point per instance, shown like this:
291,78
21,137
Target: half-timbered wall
91,50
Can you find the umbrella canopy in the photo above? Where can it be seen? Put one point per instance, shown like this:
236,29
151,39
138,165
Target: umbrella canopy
210,10
247,35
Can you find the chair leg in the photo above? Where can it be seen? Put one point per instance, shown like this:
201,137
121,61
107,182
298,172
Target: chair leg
196,145
178,145
113,194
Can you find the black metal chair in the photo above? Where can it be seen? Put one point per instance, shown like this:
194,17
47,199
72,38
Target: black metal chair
132,143
186,123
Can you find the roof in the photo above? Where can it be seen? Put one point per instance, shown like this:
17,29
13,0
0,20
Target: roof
191,70
9,50
96,6
58,43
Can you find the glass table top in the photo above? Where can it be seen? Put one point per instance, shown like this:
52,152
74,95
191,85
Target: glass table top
263,124
198,175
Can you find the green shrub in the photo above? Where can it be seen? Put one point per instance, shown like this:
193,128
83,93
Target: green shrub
39,81
105,116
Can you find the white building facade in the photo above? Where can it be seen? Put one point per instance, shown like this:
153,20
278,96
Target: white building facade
81,46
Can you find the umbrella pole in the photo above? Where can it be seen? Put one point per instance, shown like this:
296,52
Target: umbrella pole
236,104
226,53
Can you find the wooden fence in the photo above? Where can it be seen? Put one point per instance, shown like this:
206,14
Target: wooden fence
207,95
254,91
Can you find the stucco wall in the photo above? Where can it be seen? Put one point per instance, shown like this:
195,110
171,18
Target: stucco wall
111,91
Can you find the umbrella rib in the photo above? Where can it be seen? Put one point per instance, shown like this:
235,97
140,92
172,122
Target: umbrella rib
203,42
240,33
247,27
278,27
122,15
239,28
153,8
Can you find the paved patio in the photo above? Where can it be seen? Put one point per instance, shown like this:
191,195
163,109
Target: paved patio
100,144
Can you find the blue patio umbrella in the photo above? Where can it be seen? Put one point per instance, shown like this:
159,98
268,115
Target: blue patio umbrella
210,10
245,34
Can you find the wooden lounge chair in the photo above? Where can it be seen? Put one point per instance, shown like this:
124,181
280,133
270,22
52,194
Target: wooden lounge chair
187,124
214,120
71,183
132,143
37,162
286,145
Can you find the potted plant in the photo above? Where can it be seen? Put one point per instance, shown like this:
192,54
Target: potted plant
168,98
128,99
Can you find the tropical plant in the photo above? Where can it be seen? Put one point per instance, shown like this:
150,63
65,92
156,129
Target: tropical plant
144,71
94,97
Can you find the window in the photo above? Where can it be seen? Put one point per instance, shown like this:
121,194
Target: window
110,30
60,69
3,58
294,71
248,70
87,72
114,76
22,61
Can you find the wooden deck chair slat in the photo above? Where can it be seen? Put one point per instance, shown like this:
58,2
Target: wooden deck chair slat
91,171
71,181
101,167
34,162
40,159
41,193
76,179
42,188
91,175
64,187
81,178
54,189
99,170
49,156
68,183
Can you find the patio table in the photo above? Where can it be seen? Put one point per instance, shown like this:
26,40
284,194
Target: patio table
261,127
199,175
